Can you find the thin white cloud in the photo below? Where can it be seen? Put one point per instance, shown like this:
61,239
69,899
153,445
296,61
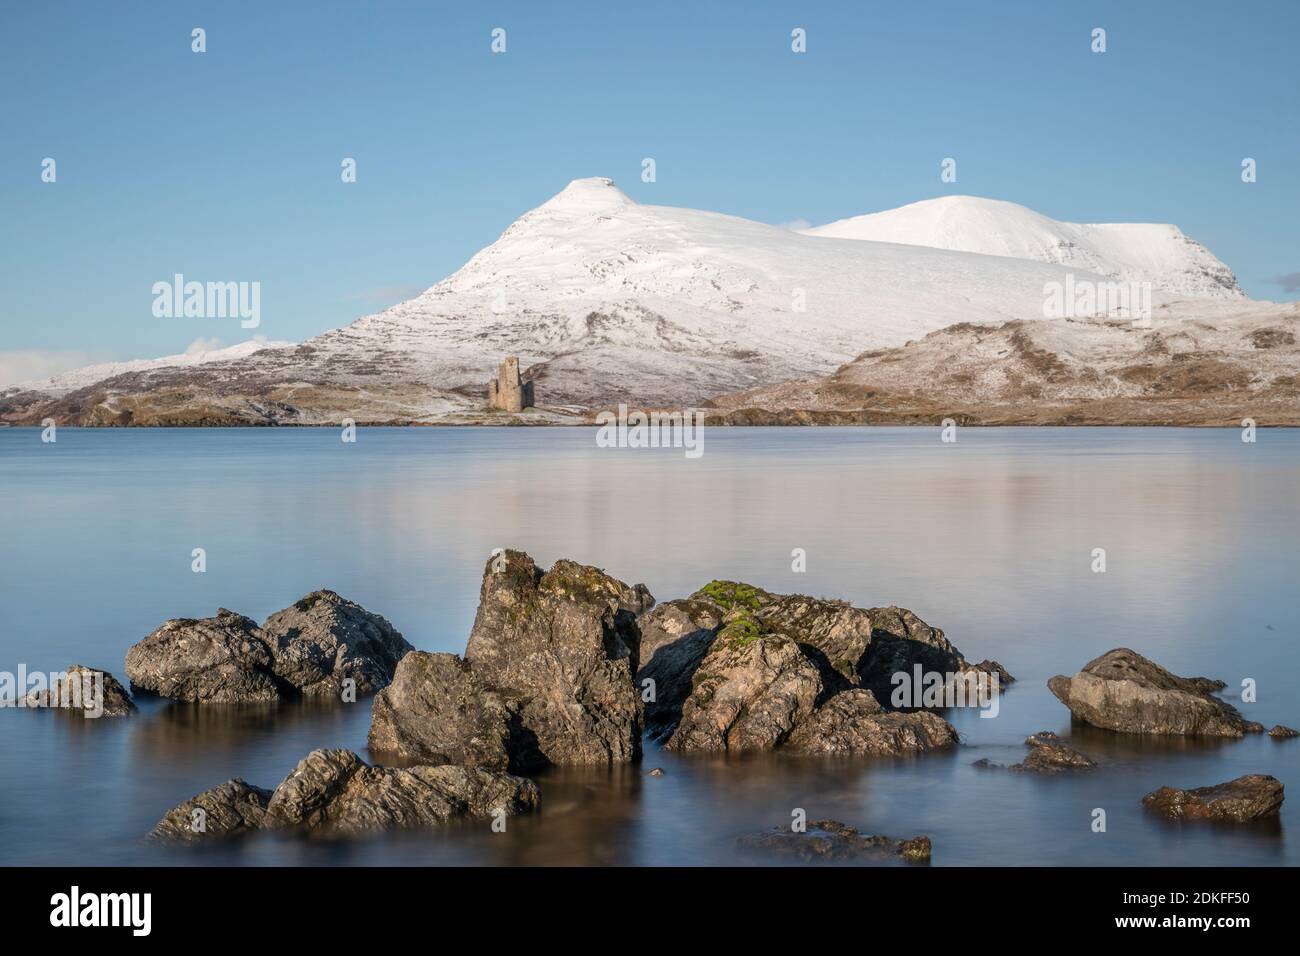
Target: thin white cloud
203,345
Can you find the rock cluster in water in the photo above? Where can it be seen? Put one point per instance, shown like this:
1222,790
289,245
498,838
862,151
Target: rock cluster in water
336,792
573,666
316,647
736,668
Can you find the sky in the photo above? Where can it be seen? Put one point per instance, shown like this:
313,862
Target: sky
226,165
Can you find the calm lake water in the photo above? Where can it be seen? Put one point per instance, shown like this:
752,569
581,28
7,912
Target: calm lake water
990,538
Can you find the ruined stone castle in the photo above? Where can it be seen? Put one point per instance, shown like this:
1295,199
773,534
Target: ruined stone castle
508,392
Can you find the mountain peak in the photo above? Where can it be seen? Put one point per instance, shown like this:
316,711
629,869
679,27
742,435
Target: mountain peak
593,195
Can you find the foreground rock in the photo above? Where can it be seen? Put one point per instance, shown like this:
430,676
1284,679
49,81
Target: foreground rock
1125,692
323,640
335,792
749,693
546,678
565,642
1252,797
832,841
736,668
220,660
438,710
95,693
312,648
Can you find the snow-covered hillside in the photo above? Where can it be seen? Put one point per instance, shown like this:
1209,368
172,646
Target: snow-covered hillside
1157,253
66,382
609,297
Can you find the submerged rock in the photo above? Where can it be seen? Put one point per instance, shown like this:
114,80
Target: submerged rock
310,648
336,792
1252,797
566,643
1049,755
854,723
832,841
1125,692
323,640
439,711
95,693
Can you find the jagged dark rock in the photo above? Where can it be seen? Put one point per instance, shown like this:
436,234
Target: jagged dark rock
749,693
336,792
95,693
1125,692
1280,732
853,722
832,841
311,648
230,809
901,641
437,710
323,640
1252,797
675,636
566,643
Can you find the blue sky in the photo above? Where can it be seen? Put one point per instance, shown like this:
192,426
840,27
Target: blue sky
225,165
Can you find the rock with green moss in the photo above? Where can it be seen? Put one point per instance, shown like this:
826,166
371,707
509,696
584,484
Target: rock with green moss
750,692
566,642
749,657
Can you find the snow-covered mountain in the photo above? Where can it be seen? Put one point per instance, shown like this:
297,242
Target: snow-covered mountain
604,297
607,300
1152,252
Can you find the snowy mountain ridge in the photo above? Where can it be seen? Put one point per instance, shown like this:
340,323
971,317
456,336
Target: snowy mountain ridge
1158,253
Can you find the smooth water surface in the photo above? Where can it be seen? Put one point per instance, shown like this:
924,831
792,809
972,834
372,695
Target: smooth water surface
991,538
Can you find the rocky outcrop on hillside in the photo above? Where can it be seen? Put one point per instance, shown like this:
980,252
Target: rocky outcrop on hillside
1252,797
315,648
334,792
1192,363
1125,692
830,841
94,693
